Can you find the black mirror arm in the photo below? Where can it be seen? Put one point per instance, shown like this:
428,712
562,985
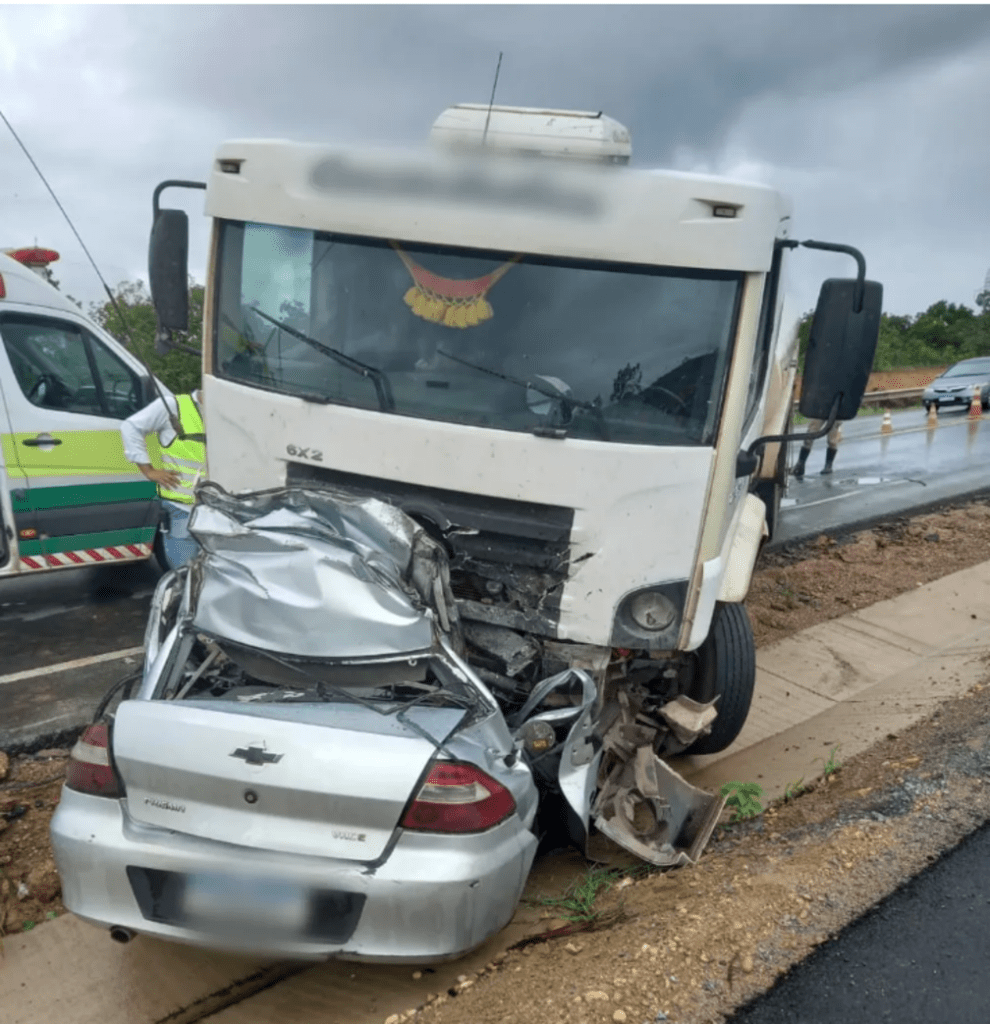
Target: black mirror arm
172,182
790,243
761,442
163,339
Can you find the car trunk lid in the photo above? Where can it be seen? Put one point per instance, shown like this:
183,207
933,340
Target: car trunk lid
329,780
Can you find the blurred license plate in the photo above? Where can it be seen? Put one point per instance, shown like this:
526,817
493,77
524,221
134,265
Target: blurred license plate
229,900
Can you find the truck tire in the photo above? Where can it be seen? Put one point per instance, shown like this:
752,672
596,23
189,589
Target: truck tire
726,669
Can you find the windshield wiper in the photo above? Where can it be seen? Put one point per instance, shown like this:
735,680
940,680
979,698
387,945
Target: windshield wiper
383,388
566,400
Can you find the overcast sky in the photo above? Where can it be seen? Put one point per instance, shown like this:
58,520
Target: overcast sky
873,118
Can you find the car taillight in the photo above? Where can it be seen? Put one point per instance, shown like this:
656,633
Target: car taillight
89,768
458,798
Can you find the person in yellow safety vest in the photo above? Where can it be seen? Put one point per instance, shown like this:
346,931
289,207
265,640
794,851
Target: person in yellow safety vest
183,465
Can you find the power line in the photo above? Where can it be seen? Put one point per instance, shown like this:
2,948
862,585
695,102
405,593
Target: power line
68,220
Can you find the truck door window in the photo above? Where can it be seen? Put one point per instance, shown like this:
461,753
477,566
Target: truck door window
59,365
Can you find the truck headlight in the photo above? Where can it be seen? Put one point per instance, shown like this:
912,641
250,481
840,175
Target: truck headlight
652,611
650,618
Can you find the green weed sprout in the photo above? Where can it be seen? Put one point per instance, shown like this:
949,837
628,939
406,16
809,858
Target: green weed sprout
744,799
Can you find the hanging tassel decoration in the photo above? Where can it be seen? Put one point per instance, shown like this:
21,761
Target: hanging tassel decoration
443,300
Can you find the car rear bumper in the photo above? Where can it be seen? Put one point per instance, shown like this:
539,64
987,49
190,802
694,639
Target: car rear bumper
430,898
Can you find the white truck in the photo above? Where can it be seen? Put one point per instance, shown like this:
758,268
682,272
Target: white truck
574,374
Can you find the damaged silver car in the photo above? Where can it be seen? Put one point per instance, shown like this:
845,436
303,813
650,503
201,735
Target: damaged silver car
310,765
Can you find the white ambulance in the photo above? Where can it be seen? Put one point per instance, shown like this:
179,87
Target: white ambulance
68,497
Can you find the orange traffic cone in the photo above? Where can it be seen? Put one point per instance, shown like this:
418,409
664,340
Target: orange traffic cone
933,415
887,427
975,406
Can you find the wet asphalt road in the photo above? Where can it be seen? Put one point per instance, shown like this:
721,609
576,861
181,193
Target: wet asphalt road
61,616
878,475
919,957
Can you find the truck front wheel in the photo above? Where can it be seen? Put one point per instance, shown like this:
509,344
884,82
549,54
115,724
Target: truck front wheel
726,669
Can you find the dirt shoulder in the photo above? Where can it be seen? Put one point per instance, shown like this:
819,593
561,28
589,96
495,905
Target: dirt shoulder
804,584
691,945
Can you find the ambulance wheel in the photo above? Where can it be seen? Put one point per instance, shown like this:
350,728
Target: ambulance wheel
726,668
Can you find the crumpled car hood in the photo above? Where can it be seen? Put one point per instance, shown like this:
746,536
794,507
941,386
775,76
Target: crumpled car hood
317,574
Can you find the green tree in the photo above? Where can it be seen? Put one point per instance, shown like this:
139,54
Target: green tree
943,328
181,369
943,333
804,333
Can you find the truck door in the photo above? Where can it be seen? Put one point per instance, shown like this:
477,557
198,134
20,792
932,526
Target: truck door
79,499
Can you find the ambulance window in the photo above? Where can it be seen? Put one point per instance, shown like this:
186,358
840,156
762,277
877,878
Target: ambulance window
121,389
54,361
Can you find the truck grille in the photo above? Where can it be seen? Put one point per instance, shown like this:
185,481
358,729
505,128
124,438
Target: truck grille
504,554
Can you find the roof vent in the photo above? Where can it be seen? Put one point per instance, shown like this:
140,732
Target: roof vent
533,131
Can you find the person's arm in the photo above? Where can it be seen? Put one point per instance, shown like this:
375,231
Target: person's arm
152,419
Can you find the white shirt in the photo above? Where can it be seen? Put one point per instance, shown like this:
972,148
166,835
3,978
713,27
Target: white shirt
152,419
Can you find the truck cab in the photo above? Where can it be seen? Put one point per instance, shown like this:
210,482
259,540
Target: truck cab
574,374
68,497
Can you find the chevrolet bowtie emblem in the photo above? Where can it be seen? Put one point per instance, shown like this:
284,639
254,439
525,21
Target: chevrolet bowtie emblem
256,755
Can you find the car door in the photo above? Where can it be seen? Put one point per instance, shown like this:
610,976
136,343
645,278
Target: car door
80,500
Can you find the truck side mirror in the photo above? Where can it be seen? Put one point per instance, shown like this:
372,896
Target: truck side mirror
168,269
841,347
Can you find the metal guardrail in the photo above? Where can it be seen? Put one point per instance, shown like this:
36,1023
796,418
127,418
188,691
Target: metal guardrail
872,397
876,397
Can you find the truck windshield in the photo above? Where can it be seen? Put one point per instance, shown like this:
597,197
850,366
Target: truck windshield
611,352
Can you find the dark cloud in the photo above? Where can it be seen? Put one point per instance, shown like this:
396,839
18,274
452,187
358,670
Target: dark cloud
870,116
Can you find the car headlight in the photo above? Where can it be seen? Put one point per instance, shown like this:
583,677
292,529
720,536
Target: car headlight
652,611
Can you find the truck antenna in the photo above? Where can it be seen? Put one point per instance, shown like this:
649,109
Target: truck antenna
491,102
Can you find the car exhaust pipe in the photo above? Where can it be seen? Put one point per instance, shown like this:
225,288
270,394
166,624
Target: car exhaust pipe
120,934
